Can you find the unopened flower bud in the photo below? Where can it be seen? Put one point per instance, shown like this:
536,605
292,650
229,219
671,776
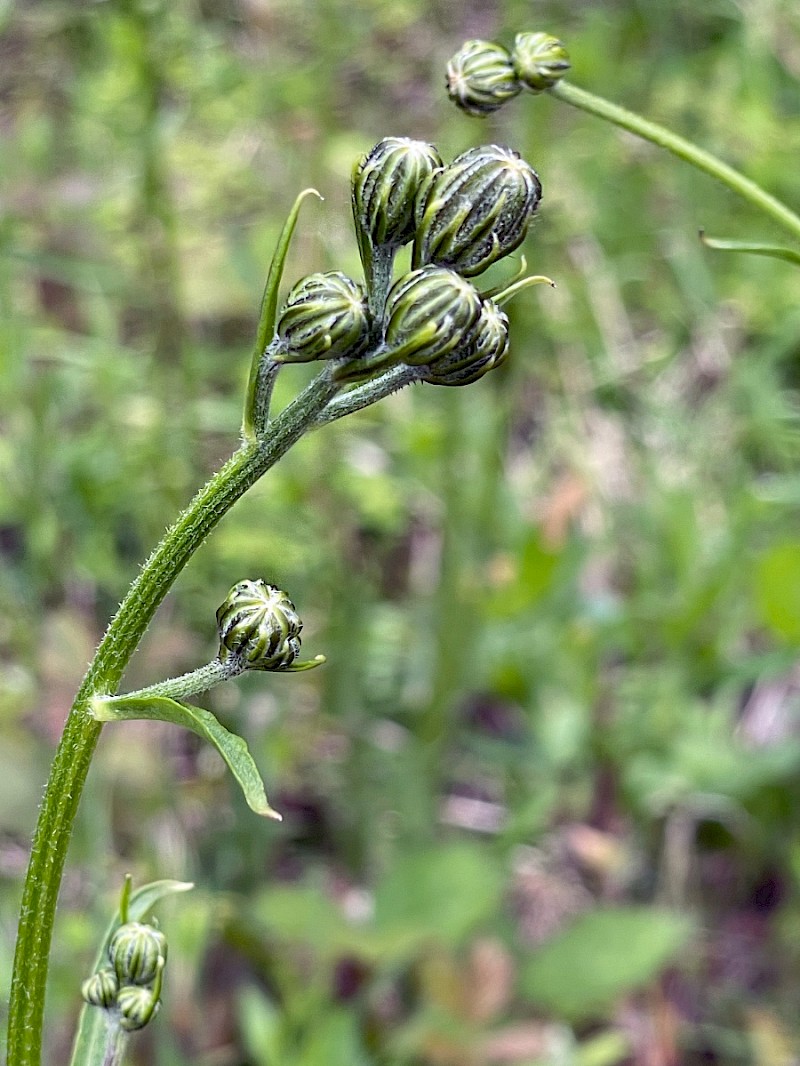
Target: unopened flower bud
136,1006
428,313
259,623
325,317
134,951
540,60
385,183
100,990
485,348
476,210
481,77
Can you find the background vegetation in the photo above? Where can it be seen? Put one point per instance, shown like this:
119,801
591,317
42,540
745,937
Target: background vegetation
542,805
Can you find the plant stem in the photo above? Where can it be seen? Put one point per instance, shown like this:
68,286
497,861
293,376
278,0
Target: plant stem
195,681
81,732
684,149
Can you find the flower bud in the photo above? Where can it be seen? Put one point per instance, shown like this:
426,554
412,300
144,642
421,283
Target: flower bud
134,951
428,313
260,624
100,990
325,316
485,348
481,77
540,60
136,1006
385,183
476,210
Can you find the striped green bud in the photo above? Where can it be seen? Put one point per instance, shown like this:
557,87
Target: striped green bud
481,77
476,210
385,184
259,624
100,990
485,348
134,952
540,60
325,317
136,1006
429,312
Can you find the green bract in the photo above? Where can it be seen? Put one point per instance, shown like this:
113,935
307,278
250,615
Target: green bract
485,348
428,313
481,77
259,624
134,952
385,183
325,317
540,60
476,210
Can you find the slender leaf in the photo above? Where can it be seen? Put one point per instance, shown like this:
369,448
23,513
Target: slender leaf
231,747
774,251
269,307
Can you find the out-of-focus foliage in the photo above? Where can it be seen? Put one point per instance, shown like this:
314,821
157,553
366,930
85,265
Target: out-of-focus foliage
541,806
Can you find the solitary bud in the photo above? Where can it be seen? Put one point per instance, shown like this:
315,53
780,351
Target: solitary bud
325,317
476,210
540,60
259,623
385,183
481,77
428,313
136,1006
100,990
134,950
485,348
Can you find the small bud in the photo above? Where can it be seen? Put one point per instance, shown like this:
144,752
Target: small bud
325,317
484,349
476,210
100,990
428,313
385,183
481,77
540,60
259,623
136,1006
134,951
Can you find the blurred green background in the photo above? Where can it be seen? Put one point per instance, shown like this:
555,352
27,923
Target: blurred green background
542,804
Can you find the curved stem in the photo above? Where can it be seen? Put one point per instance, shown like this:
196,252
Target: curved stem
684,149
190,684
371,391
74,753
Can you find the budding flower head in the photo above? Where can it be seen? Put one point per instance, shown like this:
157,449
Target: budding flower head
136,1006
259,623
481,77
540,60
385,183
325,317
100,990
476,210
428,313
485,348
134,951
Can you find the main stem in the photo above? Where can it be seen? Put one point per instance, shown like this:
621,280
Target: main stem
81,732
679,146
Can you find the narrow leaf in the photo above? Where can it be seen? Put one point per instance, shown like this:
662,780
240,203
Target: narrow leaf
231,747
95,1038
774,251
269,308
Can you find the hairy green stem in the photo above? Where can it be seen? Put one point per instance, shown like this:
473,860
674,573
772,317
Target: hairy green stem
195,681
81,732
684,149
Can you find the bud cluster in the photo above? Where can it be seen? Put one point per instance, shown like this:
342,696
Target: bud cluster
459,219
483,75
129,987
